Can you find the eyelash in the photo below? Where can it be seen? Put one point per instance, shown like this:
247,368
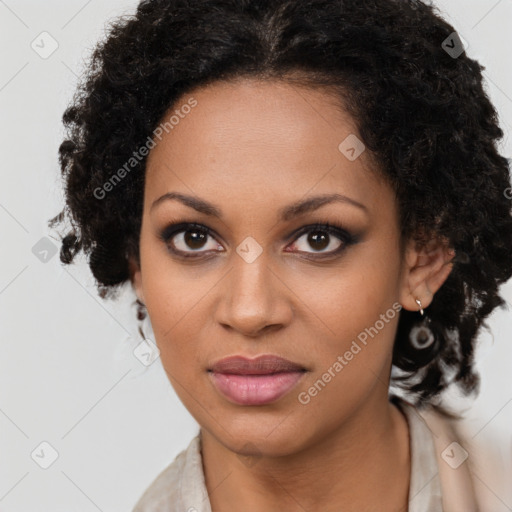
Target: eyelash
346,238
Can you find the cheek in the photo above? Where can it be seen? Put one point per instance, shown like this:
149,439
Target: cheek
173,308
168,297
350,298
354,358
359,310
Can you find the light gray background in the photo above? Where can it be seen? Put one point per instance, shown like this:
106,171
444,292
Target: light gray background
67,372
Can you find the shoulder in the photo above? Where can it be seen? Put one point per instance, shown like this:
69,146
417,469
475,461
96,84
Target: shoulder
179,487
437,444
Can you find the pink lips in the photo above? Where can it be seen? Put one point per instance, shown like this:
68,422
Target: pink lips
255,381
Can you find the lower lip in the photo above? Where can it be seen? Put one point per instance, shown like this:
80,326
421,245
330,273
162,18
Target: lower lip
255,389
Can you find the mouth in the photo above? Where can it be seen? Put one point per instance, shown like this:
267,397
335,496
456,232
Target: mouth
257,381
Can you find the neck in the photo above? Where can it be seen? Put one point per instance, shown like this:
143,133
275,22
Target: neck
363,464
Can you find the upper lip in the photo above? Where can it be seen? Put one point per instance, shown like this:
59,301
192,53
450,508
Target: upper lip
262,365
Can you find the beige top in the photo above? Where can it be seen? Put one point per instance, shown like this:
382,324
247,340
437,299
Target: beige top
440,478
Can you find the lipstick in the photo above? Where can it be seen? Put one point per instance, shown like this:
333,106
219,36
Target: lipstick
258,381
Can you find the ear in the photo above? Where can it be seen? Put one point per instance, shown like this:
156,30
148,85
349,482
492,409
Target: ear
136,279
426,268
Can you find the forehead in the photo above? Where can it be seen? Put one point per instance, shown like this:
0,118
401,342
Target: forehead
262,141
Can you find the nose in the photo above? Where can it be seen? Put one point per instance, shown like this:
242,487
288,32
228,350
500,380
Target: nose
254,300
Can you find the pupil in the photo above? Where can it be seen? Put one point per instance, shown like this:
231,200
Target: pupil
318,240
195,239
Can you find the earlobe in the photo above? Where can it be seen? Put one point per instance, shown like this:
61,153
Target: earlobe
426,269
136,279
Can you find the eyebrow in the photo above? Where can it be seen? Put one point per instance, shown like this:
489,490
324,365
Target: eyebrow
289,212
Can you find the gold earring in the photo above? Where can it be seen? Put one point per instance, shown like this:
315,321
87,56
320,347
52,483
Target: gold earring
418,301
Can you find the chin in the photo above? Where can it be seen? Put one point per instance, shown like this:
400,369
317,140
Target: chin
260,435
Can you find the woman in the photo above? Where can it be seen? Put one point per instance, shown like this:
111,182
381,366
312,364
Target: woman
304,195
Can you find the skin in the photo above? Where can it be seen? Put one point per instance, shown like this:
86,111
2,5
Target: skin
252,148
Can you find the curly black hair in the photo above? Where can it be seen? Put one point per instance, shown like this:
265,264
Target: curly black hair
421,110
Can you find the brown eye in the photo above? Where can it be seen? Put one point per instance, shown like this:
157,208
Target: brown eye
321,237
318,240
188,239
194,239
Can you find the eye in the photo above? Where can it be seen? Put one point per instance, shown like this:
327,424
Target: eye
190,240
320,237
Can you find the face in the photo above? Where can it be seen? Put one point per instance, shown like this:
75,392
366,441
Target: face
246,272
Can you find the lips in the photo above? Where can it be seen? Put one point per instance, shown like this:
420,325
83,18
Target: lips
262,365
257,381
